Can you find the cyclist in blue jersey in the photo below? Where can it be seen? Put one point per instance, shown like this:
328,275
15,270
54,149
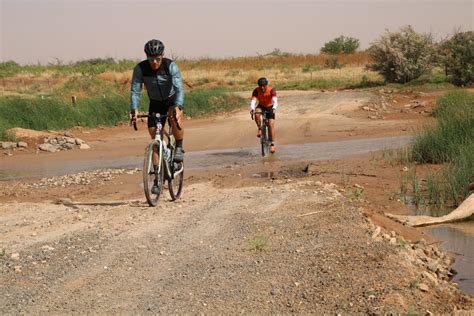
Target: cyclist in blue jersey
164,85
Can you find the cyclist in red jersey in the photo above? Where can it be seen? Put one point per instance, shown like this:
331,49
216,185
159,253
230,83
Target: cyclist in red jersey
264,98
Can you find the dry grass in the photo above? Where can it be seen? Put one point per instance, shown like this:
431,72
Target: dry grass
235,73
276,76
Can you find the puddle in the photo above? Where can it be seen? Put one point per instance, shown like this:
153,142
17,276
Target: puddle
458,238
214,158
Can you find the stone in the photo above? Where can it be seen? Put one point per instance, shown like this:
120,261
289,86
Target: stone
423,287
79,141
48,147
8,145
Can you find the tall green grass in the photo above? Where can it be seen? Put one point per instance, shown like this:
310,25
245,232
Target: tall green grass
202,101
450,141
99,109
454,130
43,114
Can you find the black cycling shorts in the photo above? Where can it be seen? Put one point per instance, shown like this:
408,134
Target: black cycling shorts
161,107
269,110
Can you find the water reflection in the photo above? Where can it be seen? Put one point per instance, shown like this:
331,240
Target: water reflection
459,238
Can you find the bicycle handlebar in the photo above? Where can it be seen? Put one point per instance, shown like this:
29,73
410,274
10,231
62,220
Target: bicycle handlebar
160,116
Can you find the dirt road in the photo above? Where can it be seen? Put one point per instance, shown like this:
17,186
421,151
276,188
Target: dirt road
266,236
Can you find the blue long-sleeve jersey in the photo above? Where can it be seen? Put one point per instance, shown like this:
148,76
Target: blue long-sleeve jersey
160,85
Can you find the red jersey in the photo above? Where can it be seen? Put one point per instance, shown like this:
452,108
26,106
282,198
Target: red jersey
264,98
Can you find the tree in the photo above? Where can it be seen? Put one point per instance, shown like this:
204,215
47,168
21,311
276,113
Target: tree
402,56
457,55
341,44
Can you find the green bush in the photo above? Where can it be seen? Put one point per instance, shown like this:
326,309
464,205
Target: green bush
9,68
341,44
457,55
403,56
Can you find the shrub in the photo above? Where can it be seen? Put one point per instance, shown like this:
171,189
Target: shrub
9,68
341,44
457,55
402,56
332,62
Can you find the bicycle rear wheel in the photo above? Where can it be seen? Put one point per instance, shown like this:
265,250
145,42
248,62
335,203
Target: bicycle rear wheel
152,175
175,185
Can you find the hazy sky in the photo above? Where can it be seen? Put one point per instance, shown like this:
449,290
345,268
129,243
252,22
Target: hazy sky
46,30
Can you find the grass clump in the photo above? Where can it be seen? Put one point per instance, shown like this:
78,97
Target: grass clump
204,101
450,142
258,243
43,114
454,131
104,105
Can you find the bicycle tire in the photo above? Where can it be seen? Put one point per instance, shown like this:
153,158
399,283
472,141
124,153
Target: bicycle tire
175,184
264,140
149,175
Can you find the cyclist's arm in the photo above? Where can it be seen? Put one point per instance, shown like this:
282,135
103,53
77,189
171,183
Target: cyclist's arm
136,88
253,104
274,99
253,100
177,81
274,103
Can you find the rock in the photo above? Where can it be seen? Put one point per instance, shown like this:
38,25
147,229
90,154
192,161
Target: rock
423,287
376,232
430,276
15,256
8,145
79,141
22,145
433,265
48,147
68,146
84,146
70,140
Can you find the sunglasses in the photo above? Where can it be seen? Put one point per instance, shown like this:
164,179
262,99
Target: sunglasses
158,59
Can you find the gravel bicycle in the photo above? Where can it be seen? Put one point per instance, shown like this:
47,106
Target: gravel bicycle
163,167
265,137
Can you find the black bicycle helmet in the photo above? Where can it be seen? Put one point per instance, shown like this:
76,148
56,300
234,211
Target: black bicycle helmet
154,47
262,82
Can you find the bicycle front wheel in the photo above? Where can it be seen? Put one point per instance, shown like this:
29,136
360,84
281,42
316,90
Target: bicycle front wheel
175,184
152,175
264,141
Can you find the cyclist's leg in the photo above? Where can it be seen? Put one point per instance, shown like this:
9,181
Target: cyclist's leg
271,124
258,119
272,129
155,107
178,133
